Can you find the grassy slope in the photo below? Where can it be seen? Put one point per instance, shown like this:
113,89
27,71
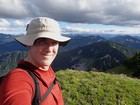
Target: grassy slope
94,88
120,70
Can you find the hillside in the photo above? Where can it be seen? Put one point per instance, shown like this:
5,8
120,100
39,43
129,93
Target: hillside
100,56
96,88
9,60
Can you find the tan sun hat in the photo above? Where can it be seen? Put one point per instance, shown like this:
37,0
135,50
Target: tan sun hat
42,27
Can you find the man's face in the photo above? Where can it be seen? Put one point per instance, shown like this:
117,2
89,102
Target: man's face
43,52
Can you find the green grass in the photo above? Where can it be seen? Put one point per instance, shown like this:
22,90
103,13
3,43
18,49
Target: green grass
120,70
97,88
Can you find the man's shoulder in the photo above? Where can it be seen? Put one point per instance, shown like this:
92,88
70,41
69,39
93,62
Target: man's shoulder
18,74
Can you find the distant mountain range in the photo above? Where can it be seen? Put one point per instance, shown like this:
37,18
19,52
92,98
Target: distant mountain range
8,44
133,42
79,41
81,53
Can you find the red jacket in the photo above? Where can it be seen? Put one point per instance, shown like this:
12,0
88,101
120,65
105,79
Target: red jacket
18,87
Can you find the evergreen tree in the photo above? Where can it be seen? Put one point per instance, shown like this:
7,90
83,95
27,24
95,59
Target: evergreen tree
134,64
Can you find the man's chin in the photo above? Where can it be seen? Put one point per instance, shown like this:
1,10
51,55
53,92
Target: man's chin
46,63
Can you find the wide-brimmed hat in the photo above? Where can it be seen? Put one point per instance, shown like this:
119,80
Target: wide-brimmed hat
42,27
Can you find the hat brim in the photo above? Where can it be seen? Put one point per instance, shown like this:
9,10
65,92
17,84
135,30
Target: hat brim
28,40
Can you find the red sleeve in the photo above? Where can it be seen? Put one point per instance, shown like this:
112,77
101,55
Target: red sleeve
17,88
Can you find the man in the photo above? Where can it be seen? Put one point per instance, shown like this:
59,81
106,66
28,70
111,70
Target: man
42,39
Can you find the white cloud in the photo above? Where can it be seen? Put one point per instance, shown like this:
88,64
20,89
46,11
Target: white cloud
12,26
19,23
4,22
12,9
114,12
124,13
77,28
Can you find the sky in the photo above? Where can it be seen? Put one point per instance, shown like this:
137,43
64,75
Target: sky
74,16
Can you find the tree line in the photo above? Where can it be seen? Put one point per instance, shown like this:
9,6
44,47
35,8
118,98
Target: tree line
133,63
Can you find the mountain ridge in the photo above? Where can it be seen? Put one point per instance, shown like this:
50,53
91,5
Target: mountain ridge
127,40
95,55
